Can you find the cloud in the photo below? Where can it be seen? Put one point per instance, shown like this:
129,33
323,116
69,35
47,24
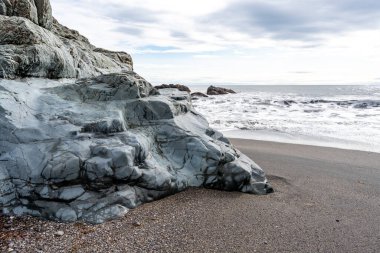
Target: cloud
157,49
126,14
128,30
179,35
236,40
296,20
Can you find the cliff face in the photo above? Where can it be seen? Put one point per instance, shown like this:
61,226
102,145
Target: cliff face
34,44
93,148
38,11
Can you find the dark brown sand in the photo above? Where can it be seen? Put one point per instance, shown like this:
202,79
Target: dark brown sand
325,200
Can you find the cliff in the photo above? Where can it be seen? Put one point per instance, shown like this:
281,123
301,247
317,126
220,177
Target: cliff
34,44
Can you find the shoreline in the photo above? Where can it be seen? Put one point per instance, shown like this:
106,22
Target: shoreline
278,137
325,200
329,116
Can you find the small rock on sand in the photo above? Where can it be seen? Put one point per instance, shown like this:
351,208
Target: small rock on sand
59,233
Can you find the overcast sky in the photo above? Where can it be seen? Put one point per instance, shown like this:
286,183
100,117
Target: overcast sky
233,41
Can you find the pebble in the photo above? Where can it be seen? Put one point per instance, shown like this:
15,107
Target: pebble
136,224
59,233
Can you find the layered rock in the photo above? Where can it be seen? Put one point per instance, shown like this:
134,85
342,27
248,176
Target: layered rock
93,148
212,90
34,44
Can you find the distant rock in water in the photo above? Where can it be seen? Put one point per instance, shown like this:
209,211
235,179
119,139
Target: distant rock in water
212,90
198,94
93,148
173,86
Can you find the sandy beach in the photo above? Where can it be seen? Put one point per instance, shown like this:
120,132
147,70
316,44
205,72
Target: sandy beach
325,200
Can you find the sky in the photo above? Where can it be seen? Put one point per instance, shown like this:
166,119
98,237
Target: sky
236,41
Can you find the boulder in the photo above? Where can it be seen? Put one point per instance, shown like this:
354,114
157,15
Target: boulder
180,87
118,86
122,57
199,94
212,90
92,148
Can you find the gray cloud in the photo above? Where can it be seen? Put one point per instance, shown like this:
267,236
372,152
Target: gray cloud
179,35
126,14
297,20
128,30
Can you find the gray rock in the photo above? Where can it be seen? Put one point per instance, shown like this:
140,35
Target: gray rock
34,44
5,7
71,192
127,85
59,233
212,90
98,174
66,214
105,127
21,8
98,167
199,94
180,87
93,148
62,167
122,57
105,214
44,12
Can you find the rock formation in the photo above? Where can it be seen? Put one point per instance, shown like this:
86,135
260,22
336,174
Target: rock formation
180,87
93,148
199,94
212,90
34,44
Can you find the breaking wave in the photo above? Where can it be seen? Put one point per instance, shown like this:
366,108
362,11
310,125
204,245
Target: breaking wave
353,118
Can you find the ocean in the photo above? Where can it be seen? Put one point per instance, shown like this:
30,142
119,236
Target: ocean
342,116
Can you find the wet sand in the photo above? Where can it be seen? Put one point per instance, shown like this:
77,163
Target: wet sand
325,200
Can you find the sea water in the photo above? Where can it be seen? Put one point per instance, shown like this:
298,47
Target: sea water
343,116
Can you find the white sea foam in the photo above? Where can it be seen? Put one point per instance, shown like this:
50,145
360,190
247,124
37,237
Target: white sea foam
348,118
